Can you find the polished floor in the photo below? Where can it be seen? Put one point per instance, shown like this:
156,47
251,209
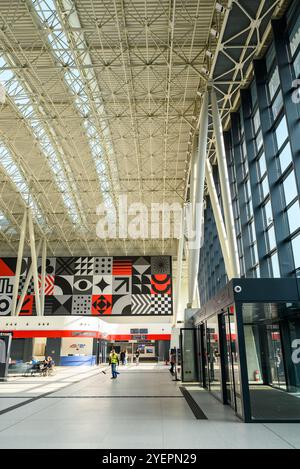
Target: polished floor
143,408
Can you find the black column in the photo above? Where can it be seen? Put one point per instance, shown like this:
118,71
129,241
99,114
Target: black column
53,347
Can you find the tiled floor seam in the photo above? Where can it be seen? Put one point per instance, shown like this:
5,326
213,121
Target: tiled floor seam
41,396
279,436
27,416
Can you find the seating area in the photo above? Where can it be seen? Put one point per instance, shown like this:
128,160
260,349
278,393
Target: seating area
30,369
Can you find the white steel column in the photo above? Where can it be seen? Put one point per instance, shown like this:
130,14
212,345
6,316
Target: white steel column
218,219
225,187
179,266
34,265
43,275
19,263
194,251
193,180
27,281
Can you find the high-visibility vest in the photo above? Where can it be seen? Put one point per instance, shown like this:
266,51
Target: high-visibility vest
114,358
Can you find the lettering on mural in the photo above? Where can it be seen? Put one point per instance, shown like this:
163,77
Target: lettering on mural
296,352
296,92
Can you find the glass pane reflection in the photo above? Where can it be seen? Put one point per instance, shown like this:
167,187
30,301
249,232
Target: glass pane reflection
272,343
213,356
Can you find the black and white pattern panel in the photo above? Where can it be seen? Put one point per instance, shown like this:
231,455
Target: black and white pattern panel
161,304
103,265
101,285
141,304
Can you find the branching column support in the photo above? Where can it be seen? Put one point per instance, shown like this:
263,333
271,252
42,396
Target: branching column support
27,282
225,188
218,219
43,276
34,263
198,189
179,266
19,263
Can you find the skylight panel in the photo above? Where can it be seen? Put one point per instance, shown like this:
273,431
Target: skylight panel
22,101
76,83
4,223
14,173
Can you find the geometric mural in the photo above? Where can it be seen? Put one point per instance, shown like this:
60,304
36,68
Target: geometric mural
98,286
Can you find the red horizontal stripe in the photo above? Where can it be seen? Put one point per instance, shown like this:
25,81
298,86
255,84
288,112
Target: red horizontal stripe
148,336
96,334
54,334
122,272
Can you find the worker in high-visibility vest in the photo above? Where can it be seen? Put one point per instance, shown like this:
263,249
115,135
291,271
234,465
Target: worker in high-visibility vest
114,361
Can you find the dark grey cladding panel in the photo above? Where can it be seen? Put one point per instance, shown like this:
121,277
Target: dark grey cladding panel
265,289
251,290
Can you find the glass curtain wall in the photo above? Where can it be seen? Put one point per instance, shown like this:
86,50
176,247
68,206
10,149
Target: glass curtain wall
262,147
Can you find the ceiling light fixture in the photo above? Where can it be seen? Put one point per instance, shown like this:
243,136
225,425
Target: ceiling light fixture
204,71
220,8
214,33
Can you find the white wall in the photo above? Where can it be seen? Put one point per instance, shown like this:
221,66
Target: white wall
70,323
152,328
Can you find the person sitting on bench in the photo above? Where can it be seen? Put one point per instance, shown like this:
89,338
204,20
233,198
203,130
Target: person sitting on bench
47,366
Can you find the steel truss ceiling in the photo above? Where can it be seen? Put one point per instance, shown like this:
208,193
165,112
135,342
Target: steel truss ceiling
103,99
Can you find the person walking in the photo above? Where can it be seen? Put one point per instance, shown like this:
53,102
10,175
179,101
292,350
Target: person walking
137,356
114,361
172,362
123,357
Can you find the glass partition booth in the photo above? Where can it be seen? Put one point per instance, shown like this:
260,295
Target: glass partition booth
218,357
247,354
272,348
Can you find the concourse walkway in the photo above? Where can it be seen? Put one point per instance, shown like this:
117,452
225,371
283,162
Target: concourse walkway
80,407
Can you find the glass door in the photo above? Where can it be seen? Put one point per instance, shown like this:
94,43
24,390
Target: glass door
292,355
200,354
229,359
204,356
188,355
214,356
275,359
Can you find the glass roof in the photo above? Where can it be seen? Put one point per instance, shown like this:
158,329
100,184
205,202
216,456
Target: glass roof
89,105
13,171
20,98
